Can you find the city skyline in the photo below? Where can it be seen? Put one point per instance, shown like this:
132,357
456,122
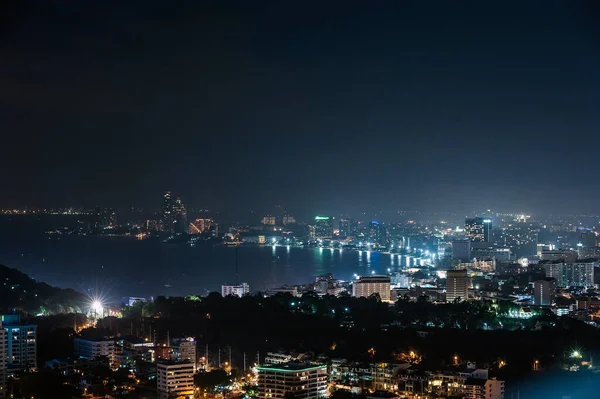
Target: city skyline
299,200
393,106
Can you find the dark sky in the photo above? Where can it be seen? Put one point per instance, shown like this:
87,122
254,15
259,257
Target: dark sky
317,106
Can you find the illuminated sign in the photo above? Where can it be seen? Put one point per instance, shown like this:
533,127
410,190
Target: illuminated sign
321,217
487,221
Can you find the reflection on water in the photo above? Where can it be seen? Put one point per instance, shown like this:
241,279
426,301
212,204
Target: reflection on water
133,267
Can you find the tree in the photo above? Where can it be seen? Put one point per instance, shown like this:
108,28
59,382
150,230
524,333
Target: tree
211,379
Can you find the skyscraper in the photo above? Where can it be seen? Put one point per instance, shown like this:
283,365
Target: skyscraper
461,249
478,229
377,232
544,292
167,213
344,228
457,285
180,223
323,227
21,347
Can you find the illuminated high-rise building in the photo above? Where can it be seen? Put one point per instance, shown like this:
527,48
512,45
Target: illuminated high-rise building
544,292
323,228
269,220
344,230
478,229
103,219
576,274
167,213
457,285
180,223
175,379
377,232
200,226
21,339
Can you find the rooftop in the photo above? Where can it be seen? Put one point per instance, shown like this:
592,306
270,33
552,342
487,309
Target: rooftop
94,338
168,362
291,366
374,278
475,381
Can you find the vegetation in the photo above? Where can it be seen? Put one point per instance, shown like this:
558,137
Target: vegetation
21,293
366,329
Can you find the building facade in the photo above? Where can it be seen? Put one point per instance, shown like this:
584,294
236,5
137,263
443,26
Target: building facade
366,286
478,229
269,220
544,292
187,351
302,380
476,388
461,249
174,379
168,216
457,285
21,343
323,228
94,348
236,290
579,274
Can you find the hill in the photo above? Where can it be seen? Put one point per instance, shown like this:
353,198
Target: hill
21,293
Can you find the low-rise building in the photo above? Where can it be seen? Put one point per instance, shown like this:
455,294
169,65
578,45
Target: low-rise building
477,388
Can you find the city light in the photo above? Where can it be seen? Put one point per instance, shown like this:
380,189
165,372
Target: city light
97,306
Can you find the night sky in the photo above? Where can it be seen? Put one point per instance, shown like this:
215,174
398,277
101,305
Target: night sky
318,106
